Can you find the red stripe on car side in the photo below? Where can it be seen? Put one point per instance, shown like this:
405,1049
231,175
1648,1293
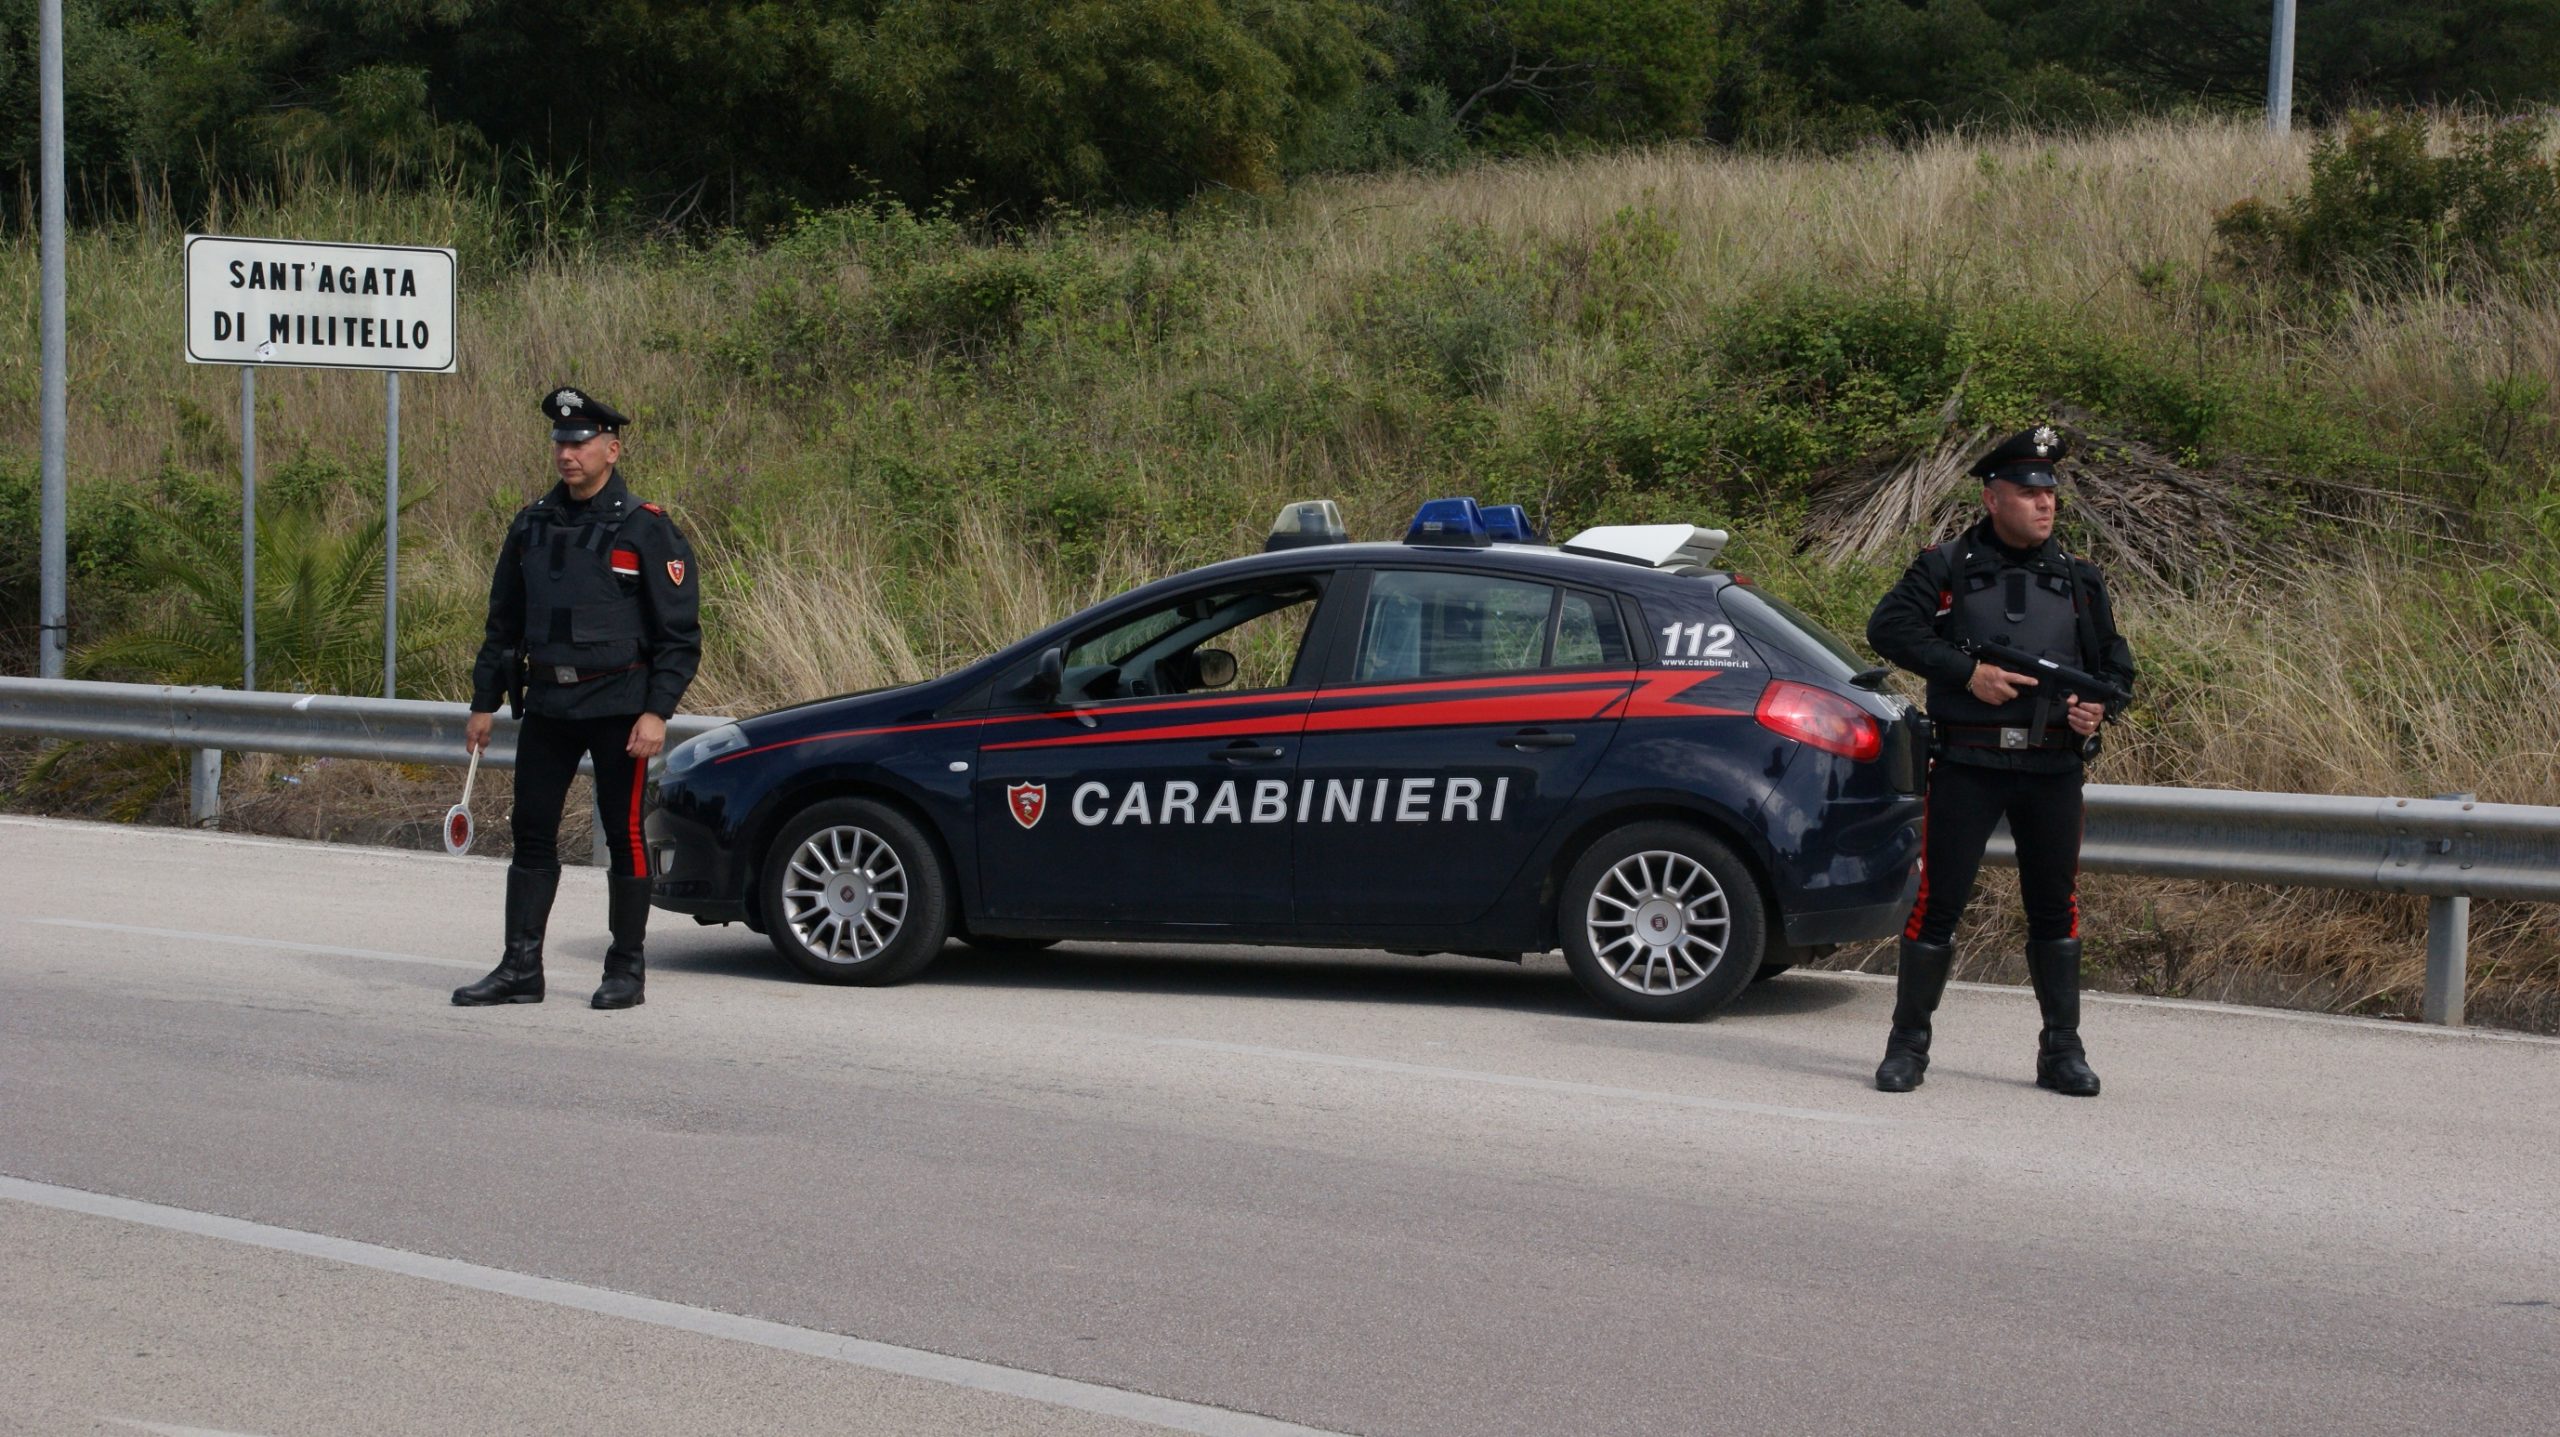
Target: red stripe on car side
1551,679
1454,713
1284,724
1657,695
1175,705
1458,713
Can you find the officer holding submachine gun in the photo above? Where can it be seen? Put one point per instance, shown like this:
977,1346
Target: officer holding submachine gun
2018,643
593,637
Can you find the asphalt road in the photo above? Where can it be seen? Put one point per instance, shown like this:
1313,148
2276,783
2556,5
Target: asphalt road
257,1176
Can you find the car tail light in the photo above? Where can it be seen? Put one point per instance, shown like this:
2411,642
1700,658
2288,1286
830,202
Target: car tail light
1820,718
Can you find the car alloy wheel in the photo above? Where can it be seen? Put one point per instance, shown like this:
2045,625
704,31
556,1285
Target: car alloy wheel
846,895
1661,921
1658,922
852,891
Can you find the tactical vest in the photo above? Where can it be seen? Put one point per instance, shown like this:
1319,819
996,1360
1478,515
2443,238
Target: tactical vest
578,614
2032,606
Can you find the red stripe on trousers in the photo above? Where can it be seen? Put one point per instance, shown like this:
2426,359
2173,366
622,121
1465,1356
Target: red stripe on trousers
1920,903
639,855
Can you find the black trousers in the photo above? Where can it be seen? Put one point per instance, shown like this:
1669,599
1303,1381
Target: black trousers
547,753
1966,801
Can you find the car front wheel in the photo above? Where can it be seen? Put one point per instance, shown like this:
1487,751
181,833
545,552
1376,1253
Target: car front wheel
854,893
1661,922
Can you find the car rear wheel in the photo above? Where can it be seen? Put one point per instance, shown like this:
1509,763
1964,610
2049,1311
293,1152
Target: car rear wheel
1661,922
853,893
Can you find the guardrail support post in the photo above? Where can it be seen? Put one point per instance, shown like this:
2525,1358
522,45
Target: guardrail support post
2448,951
2448,954
204,786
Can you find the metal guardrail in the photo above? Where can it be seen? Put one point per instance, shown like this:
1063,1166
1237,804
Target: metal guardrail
213,721
2449,850
2450,847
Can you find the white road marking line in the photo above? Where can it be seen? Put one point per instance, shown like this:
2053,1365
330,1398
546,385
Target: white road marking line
808,1342
163,1429
237,940
2226,1010
1513,1080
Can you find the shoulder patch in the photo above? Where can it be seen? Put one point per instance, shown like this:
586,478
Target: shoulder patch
654,509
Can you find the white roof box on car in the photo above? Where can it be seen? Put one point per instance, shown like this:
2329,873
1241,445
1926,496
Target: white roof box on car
1674,548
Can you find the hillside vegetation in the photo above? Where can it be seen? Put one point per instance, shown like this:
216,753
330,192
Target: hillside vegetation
897,440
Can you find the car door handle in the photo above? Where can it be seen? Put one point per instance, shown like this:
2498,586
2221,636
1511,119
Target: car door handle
1535,738
1245,751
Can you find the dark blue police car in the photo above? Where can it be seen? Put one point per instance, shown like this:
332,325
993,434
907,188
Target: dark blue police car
1454,743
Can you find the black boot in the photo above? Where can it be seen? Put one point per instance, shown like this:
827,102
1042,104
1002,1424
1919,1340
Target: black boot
627,914
518,976
1920,979
2061,1063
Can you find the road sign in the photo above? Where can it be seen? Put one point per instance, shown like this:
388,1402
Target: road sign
275,302
319,306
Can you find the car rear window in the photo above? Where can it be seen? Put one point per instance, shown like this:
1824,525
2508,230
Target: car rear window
1588,633
1774,621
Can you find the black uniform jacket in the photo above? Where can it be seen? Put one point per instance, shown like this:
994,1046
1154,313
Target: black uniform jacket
601,600
1911,627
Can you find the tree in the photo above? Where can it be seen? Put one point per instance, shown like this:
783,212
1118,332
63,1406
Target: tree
1519,69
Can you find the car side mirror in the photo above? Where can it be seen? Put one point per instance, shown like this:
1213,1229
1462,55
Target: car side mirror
1049,676
1216,667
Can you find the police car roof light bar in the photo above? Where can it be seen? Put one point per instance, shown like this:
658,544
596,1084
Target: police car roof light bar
1455,523
1509,524
1306,523
1674,548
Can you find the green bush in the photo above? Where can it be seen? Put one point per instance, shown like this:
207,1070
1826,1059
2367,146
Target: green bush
1455,314
2389,206
975,302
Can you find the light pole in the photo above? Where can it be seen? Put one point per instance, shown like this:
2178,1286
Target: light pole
52,624
2280,72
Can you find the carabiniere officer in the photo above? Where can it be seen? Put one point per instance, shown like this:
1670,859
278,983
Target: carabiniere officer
593,637
1999,751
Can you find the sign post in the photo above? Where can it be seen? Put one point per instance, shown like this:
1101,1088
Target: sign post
391,537
295,304
248,527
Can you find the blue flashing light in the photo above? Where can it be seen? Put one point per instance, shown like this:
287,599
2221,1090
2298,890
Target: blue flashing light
1455,522
1509,524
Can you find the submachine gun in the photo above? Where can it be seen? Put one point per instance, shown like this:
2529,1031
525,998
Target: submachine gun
2052,681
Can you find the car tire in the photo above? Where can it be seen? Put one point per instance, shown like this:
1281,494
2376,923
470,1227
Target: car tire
1671,881
853,892
995,943
1769,971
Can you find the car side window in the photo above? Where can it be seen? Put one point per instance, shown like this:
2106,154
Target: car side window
1424,624
1588,633
1234,640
